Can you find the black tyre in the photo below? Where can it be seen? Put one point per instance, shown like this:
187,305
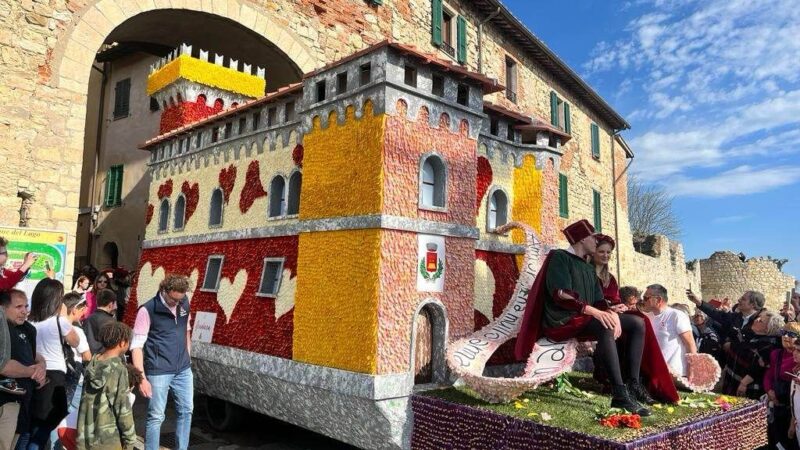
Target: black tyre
223,415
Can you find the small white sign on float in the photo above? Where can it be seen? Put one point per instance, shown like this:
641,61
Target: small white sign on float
203,326
431,263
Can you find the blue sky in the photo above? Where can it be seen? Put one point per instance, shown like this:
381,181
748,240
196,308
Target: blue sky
712,92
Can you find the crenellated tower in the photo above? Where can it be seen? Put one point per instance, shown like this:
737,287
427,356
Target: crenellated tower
189,87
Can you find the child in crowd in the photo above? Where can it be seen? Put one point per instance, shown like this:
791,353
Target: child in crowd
105,417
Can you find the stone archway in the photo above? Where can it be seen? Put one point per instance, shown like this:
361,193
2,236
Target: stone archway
67,72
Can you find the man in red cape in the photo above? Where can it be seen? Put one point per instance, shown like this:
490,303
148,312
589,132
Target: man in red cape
560,307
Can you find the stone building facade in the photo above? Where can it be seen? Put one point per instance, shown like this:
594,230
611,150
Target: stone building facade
47,49
725,274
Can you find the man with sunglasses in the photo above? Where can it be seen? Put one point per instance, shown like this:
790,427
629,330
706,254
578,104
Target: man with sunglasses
672,327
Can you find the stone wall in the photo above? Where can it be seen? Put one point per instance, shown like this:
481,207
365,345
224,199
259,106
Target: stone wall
664,264
725,274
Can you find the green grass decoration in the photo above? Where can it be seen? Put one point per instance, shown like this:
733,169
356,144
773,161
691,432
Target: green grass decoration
573,401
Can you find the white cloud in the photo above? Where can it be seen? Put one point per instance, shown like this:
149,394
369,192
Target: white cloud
720,92
742,180
730,219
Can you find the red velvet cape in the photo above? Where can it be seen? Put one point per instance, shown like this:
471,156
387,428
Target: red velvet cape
654,368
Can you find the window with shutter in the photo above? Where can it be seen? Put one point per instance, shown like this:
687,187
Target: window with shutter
595,141
122,99
553,108
462,40
113,195
598,216
567,120
563,199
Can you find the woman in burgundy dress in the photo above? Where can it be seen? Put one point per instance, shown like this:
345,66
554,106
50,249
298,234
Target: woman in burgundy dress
654,368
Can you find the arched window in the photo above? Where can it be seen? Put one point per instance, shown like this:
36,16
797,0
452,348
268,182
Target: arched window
433,179
180,213
163,216
295,184
215,210
497,210
277,197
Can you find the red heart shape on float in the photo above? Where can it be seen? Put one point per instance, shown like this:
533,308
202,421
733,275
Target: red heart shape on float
148,216
227,179
165,190
252,189
192,194
484,179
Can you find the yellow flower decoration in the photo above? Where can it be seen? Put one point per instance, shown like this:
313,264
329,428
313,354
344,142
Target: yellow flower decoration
206,73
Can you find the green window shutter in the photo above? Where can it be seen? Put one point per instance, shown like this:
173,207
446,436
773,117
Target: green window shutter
118,186
563,199
553,108
567,121
462,40
436,22
598,216
595,141
109,198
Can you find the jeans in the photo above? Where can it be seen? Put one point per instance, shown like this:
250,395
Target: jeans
182,387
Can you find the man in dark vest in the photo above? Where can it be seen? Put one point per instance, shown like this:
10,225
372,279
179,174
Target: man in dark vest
161,349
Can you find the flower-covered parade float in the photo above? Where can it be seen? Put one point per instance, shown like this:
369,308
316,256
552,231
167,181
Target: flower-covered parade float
346,236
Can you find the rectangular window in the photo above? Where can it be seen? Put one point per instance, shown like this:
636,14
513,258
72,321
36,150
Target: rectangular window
321,91
122,98
185,145
463,95
199,140
511,79
242,125
598,214
563,195
494,127
114,186
256,120
595,141
510,132
447,32
214,134
213,273
411,75
154,104
559,113
228,130
364,74
270,277
272,114
341,83
438,85
288,112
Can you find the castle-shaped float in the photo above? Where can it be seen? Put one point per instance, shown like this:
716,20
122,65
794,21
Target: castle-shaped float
338,232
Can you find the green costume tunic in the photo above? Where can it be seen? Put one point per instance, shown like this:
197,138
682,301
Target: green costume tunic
568,272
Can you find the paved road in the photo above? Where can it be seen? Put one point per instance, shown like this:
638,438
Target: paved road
257,432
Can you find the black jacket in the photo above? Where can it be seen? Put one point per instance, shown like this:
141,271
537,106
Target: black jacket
92,326
730,323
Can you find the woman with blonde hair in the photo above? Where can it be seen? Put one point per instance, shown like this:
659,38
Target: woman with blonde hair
653,368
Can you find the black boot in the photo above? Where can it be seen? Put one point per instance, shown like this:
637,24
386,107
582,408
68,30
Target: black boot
622,399
639,392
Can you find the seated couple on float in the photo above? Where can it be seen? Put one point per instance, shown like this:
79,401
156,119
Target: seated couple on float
567,301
